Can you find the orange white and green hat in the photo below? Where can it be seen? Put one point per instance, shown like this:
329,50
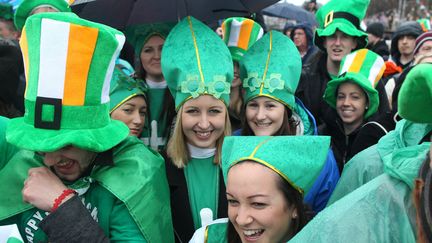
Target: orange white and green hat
27,6
68,66
195,61
239,34
299,165
364,68
425,24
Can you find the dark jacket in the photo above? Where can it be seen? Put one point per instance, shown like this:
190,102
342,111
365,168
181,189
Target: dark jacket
381,49
180,205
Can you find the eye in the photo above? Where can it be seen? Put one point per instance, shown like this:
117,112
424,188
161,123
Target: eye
143,112
192,111
252,104
127,110
147,50
215,111
233,202
340,97
270,105
258,205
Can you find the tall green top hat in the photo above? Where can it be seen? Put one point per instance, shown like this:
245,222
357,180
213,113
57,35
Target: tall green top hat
124,88
298,159
364,68
195,61
68,65
239,34
271,68
138,35
27,6
415,96
6,11
342,15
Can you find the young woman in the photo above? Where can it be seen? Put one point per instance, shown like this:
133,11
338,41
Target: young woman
265,187
355,99
271,108
148,41
128,101
198,68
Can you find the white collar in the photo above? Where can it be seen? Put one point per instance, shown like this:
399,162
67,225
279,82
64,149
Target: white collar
156,85
201,153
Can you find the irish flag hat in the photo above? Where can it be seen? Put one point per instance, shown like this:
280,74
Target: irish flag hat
68,65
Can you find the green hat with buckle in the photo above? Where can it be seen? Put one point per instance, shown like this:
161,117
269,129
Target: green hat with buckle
27,6
415,95
344,16
271,68
195,61
68,66
364,68
299,165
6,11
138,35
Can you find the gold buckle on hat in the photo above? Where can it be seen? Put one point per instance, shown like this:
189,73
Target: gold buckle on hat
328,18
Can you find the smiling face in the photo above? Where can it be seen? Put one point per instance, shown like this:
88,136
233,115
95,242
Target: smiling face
69,163
264,116
151,57
132,113
203,121
351,102
339,45
257,208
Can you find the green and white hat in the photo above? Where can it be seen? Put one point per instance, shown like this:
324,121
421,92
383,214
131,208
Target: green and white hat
138,35
68,65
415,95
27,6
298,159
271,68
364,68
345,16
124,88
240,34
195,61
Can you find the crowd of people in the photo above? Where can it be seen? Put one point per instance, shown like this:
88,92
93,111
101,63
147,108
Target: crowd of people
245,135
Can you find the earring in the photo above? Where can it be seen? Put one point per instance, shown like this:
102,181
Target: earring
366,107
294,215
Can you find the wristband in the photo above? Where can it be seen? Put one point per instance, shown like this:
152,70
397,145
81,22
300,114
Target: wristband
60,198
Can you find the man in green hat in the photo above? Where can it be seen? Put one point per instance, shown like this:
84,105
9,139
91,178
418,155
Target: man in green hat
84,179
337,35
7,27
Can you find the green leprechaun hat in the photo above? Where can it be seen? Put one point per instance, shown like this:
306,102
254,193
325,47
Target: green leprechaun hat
239,34
124,88
6,11
364,68
271,68
138,35
415,95
299,165
195,61
27,6
68,65
344,16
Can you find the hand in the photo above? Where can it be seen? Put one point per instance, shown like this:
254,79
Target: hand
42,187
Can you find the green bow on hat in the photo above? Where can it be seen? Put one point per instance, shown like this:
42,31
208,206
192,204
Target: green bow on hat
138,35
195,61
342,15
124,88
364,68
415,95
271,68
297,159
239,34
6,11
68,65
27,6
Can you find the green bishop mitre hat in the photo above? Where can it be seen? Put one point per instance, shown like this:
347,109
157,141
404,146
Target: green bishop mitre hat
415,95
195,61
68,66
27,6
271,68
6,11
342,15
364,68
239,34
297,159
124,88
138,35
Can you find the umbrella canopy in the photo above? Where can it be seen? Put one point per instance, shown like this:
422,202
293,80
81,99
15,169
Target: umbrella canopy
291,12
120,14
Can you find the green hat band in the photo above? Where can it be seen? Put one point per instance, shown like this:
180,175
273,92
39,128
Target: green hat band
195,61
27,6
298,165
271,68
123,88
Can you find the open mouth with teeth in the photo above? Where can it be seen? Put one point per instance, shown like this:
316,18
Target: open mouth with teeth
263,124
252,234
65,166
203,134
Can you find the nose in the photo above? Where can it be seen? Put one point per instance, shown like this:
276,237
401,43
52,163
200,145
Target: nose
337,40
346,101
261,114
204,123
243,217
158,54
137,119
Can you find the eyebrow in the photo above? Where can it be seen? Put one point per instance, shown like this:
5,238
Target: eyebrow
253,196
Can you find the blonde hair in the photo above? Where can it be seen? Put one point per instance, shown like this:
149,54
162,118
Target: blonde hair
177,150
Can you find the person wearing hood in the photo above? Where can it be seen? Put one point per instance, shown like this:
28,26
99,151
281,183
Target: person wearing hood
302,36
403,43
376,43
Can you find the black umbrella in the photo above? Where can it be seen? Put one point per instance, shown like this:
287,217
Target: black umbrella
291,12
122,13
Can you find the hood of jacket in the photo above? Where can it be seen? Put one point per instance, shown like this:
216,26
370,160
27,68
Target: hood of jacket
411,28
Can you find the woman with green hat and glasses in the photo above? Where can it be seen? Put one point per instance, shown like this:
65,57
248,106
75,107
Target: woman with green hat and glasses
270,71
148,41
354,97
128,101
265,187
198,68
